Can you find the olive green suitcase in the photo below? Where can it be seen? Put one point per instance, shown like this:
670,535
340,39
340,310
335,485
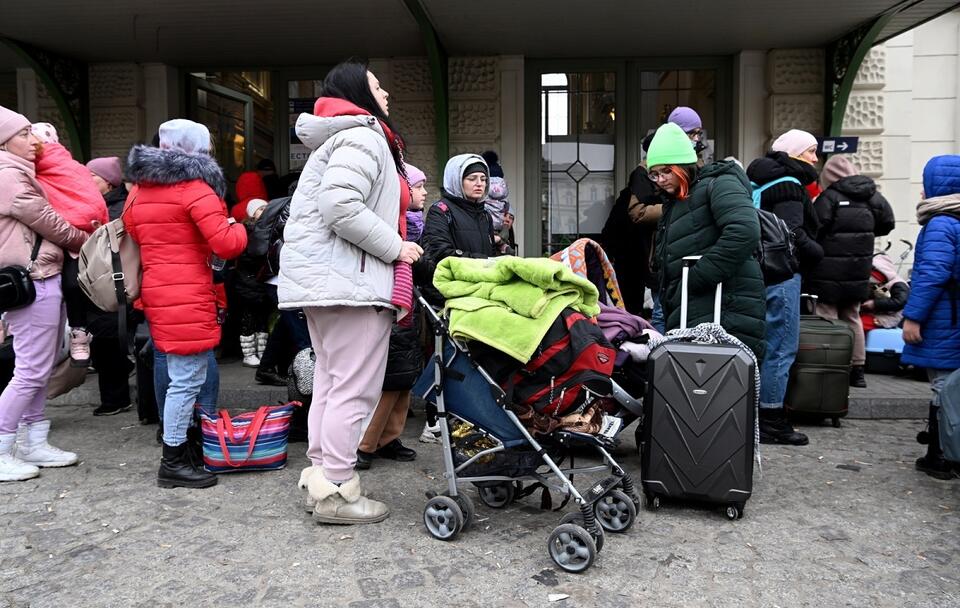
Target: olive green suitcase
819,383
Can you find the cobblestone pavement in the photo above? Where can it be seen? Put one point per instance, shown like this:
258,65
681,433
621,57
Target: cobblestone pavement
845,521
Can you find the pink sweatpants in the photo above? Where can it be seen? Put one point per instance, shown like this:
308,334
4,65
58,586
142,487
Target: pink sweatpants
351,348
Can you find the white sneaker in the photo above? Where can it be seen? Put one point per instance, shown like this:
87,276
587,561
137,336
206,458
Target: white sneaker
430,434
11,467
32,447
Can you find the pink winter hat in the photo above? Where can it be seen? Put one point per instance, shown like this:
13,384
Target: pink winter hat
836,168
414,176
45,132
11,123
794,142
107,168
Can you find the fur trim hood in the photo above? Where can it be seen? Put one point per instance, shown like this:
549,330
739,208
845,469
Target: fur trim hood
149,165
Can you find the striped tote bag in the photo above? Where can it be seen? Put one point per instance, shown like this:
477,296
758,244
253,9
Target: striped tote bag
253,441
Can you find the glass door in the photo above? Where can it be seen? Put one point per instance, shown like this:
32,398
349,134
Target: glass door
229,116
578,155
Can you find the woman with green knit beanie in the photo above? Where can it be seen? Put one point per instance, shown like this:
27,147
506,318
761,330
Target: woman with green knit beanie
709,213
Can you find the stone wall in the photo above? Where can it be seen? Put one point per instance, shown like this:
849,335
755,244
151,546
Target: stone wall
905,107
116,108
795,83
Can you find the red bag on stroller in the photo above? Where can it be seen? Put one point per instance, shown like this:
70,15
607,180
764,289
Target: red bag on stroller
573,357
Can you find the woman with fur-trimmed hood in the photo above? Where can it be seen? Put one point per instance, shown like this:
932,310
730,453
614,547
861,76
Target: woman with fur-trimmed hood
177,215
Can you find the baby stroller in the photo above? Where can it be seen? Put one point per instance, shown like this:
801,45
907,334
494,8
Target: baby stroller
502,456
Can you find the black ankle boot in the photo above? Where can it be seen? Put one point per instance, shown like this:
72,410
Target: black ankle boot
178,471
775,428
932,463
270,377
857,378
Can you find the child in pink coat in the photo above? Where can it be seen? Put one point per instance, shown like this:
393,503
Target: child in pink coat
75,197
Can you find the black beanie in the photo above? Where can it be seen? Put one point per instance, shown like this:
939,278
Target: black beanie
493,161
475,168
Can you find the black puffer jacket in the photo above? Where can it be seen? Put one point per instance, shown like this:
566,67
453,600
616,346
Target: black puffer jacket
266,238
457,227
629,244
404,358
852,214
790,202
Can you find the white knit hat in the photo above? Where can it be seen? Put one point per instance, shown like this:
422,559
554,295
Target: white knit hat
184,136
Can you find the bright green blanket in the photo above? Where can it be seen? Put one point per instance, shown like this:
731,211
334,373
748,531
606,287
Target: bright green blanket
508,302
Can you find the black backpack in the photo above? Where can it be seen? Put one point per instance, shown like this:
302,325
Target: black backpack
777,252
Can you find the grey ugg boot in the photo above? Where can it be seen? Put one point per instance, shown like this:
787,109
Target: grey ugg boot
343,504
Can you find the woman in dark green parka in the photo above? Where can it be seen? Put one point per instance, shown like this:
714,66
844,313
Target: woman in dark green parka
709,212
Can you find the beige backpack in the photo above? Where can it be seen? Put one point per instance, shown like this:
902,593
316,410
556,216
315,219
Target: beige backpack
110,270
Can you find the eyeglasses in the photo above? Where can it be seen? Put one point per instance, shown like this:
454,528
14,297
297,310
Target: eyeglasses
656,176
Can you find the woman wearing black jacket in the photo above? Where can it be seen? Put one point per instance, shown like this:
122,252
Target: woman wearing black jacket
852,215
784,180
458,224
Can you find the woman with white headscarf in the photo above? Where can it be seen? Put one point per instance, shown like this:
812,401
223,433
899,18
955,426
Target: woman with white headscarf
177,215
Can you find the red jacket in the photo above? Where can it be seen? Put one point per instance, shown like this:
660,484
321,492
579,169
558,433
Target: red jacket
249,186
70,188
177,215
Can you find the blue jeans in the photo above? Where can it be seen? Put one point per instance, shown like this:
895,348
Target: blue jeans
783,340
165,384
656,319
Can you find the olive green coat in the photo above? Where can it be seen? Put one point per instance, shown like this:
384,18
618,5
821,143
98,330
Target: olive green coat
717,221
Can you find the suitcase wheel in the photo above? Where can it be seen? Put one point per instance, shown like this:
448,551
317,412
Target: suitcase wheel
836,423
652,502
735,512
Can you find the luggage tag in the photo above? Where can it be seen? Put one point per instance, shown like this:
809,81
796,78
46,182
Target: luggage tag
610,426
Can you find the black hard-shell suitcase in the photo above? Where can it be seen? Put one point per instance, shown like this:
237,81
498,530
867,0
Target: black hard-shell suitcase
819,383
699,417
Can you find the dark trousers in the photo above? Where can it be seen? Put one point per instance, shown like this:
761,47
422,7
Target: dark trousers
73,297
289,336
113,370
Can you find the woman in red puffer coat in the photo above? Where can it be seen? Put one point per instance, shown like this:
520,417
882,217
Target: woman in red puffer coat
176,214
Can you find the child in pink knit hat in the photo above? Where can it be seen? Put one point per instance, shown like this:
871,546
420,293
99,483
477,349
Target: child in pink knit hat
73,194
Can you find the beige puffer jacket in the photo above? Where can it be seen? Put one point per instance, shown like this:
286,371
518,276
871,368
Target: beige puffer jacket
24,214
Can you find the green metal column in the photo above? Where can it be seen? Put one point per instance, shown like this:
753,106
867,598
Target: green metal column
844,58
437,57
67,82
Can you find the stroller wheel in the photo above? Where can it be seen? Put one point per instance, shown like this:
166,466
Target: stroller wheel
615,512
466,507
497,496
572,548
576,518
443,518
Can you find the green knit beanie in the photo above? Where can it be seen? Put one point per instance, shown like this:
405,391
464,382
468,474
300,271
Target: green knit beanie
670,146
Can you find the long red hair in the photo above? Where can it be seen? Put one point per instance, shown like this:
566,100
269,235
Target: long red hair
684,178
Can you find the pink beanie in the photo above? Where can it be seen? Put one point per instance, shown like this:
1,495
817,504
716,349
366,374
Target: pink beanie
836,168
794,142
108,168
11,123
414,175
45,132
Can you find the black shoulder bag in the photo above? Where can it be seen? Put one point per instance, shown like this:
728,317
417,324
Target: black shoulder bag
16,286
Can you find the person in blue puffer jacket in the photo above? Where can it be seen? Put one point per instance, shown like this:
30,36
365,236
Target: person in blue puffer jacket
931,327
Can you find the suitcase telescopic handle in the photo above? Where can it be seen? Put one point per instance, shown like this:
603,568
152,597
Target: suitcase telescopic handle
689,261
